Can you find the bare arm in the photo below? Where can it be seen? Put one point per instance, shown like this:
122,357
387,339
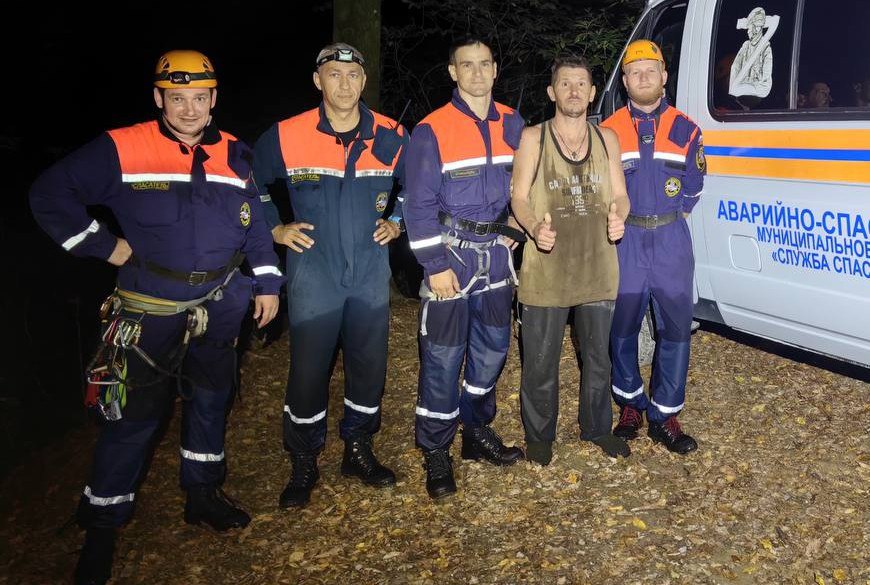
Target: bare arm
525,163
620,205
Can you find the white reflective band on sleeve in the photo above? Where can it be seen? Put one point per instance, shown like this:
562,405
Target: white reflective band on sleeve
77,239
204,457
461,164
97,501
235,181
439,415
502,159
698,194
628,395
632,154
304,421
266,270
476,389
145,177
358,408
669,156
433,241
265,198
400,199
315,171
375,173
667,409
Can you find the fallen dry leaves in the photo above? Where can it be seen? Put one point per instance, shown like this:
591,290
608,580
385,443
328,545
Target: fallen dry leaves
777,493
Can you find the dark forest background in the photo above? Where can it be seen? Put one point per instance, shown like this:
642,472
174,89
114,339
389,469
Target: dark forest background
84,69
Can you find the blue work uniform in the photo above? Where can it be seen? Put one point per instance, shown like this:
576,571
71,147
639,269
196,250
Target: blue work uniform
189,210
664,165
338,290
459,169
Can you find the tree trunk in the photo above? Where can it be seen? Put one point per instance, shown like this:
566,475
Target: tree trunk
358,22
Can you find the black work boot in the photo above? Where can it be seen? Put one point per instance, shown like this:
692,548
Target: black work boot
360,461
630,421
484,443
439,473
95,561
672,436
305,474
208,504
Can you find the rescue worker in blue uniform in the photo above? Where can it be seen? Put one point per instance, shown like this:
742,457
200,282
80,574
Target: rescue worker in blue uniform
664,165
182,194
339,162
459,172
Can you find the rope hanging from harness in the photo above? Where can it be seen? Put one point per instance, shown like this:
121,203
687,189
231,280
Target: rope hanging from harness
107,370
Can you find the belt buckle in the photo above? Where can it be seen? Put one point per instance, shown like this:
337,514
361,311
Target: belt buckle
197,278
652,221
481,229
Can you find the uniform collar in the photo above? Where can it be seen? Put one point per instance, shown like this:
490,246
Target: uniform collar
641,115
460,105
366,122
210,134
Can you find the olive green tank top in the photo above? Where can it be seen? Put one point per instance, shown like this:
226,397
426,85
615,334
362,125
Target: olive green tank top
582,266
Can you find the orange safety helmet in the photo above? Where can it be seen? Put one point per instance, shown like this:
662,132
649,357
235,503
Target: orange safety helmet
642,49
183,69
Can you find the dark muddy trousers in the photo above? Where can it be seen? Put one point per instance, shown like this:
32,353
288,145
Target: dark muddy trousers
543,329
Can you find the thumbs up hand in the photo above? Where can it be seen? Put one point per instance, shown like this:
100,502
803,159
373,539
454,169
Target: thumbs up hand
615,224
544,234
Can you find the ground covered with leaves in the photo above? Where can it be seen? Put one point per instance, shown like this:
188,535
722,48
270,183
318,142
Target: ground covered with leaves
777,492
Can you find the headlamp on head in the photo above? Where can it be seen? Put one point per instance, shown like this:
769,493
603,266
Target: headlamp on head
345,54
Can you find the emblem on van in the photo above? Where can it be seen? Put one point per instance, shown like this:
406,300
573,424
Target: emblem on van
245,214
672,187
381,201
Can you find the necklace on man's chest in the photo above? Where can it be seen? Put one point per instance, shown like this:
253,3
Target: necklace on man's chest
573,153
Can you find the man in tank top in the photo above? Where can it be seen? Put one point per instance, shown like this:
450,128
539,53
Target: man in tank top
569,194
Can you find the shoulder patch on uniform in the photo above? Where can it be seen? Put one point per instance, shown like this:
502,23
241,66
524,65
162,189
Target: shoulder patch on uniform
381,201
681,131
673,186
245,214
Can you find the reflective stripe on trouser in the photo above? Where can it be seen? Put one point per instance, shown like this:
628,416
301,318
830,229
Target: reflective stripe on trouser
543,331
475,329
322,315
124,446
654,265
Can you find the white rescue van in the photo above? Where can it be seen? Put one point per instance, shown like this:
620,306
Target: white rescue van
781,91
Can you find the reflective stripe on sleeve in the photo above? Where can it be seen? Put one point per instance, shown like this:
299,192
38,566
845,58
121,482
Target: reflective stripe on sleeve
266,270
433,241
77,239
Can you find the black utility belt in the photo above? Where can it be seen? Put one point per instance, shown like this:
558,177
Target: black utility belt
651,222
482,228
195,278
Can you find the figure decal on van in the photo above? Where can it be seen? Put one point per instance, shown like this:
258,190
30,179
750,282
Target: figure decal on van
752,70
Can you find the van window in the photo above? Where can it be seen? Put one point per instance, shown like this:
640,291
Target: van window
833,65
752,56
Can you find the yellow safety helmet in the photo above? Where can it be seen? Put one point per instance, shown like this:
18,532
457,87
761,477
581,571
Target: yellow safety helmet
183,69
642,49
